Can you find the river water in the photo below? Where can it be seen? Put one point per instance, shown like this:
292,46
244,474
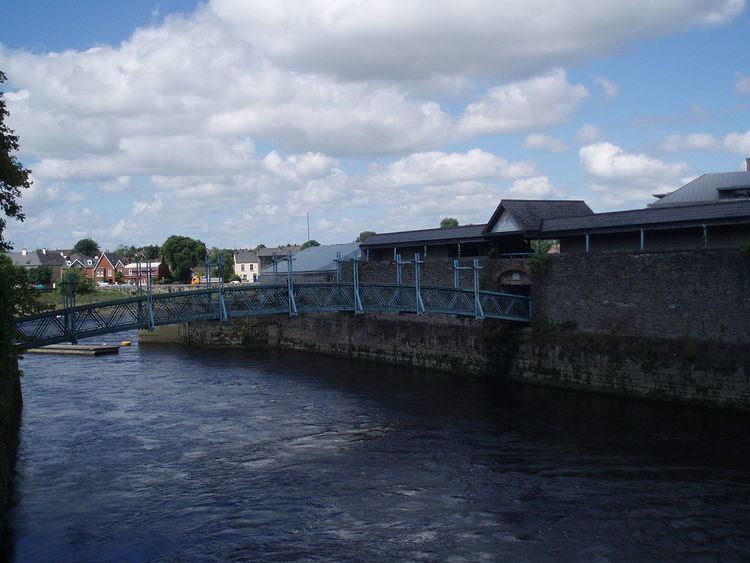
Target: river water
170,454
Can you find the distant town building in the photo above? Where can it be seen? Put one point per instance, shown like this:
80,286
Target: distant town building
247,266
314,264
53,259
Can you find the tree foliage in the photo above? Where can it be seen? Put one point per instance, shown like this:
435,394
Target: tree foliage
310,243
364,235
181,253
40,276
87,247
448,223
84,285
13,176
228,256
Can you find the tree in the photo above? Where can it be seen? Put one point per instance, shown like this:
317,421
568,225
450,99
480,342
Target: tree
13,176
150,251
228,256
309,244
41,275
448,223
260,246
87,247
542,246
83,284
364,235
181,253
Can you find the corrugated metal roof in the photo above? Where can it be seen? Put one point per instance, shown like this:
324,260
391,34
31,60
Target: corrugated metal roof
704,189
529,213
318,258
429,236
279,250
617,220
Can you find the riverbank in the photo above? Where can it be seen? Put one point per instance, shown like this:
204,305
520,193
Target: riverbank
10,420
682,371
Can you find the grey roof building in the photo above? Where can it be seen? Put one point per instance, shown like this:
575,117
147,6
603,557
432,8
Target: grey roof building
37,258
709,188
510,228
317,262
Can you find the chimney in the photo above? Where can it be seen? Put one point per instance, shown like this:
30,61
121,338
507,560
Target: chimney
24,252
747,164
44,251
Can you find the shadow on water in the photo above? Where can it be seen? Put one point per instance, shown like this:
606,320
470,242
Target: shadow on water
165,453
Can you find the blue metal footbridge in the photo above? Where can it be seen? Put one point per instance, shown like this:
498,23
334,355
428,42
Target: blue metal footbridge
227,302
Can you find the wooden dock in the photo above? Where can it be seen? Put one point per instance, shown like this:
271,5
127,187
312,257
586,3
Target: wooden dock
78,349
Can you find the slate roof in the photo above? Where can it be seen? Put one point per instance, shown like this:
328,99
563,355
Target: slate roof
530,213
245,256
731,211
318,258
113,258
37,258
425,236
704,189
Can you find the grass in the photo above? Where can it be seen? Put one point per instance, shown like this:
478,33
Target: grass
54,300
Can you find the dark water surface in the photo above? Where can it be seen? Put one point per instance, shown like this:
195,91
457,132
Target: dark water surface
168,454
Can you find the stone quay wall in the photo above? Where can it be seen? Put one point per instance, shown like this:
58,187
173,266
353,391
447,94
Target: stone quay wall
10,420
698,295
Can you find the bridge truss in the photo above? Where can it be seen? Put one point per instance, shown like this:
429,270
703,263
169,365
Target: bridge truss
221,303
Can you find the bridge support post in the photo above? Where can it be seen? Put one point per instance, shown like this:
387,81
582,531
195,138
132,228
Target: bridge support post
69,304
420,309
149,297
290,285
222,304
275,260
456,269
358,309
338,267
478,312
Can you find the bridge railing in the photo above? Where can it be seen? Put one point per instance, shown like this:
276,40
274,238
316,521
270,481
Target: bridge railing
170,308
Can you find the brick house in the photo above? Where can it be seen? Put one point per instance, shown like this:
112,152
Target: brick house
107,266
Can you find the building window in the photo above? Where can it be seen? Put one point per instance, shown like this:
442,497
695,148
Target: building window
242,267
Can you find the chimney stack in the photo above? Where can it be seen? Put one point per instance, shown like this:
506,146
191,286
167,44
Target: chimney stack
44,251
24,252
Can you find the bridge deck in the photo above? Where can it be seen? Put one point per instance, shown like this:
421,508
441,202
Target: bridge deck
146,311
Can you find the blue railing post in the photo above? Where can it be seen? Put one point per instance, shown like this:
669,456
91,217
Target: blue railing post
455,274
338,267
275,260
478,312
222,304
358,309
149,298
290,284
420,309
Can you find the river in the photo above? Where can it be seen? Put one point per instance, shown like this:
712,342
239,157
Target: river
170,454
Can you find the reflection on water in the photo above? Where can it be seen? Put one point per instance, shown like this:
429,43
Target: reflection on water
169,454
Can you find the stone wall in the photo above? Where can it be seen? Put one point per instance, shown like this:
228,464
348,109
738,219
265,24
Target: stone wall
701,295
681,371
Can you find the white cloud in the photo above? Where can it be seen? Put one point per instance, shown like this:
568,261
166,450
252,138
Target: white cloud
692,142
530,104
738,142
541,141
619,177
587,134
393,40
535,187
742,84
177,110
610,89
439,168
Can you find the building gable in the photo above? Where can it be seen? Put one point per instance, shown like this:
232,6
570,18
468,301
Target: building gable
505,224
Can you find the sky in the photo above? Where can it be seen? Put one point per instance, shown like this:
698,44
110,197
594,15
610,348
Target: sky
230,120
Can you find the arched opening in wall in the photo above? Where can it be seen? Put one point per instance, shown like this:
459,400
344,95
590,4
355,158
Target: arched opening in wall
514,281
